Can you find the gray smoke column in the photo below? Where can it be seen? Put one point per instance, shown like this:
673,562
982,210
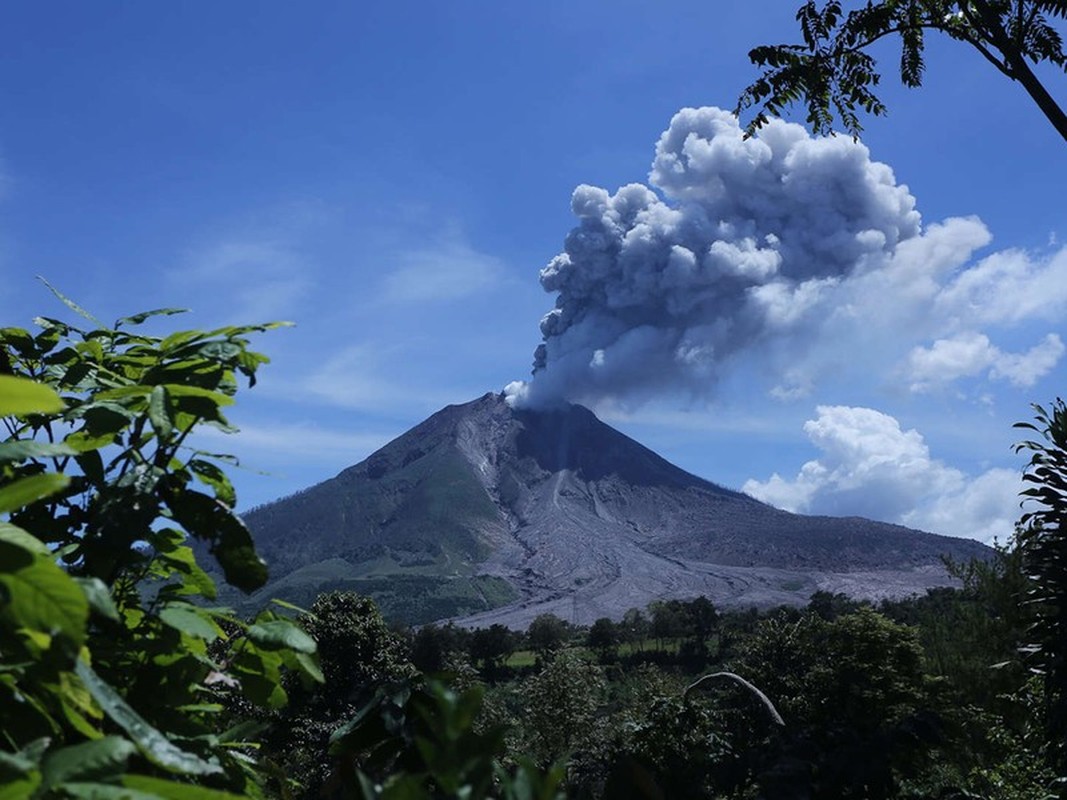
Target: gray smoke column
659,286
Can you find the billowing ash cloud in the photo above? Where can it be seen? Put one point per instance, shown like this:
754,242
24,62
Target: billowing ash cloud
743,240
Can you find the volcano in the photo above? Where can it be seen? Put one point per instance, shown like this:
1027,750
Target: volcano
486,514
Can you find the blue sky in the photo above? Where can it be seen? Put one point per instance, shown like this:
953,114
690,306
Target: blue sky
393,177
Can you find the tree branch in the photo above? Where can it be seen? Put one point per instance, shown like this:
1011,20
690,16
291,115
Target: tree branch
764,700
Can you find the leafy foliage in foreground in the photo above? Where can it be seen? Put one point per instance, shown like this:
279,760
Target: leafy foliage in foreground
1043,543
113,662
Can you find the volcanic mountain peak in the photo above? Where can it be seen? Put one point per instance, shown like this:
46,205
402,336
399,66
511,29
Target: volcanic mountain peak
552,510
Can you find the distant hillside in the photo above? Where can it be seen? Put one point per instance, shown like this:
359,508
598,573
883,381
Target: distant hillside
484,510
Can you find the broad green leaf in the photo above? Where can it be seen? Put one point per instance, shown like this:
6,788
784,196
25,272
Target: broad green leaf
22,396
78,720
259,672
159,412
137,319
41,596
183,559
91,348
89,761
156,747
30,489
21,788
19,451
171,790
230,541
20,339
179,338
99,597
123,392
190,620
83,441
214,477
178,390
309,665
278,634
14,535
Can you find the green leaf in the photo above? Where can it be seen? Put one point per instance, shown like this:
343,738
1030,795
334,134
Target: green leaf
179,338
30,489
22,762
137,319
183,560
99,597
20,451
159,412
40,595
77,309
292,607
309,665
20,339
281,633
230,541
259,672
11,534
178,390
214,477
123,392
152,744
90,761
170,790
190,620
23,396
22,788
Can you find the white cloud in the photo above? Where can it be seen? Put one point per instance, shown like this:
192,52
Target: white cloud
448,271
971,353
870,467
1007,287
1024,369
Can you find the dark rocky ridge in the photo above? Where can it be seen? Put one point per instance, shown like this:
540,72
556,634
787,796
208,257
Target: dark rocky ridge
577,518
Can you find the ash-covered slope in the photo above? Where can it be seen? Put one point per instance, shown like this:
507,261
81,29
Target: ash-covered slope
482,505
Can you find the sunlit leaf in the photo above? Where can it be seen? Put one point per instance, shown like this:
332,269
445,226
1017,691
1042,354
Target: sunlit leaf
22,450
40,595
281,633
13,535
190,620
21,396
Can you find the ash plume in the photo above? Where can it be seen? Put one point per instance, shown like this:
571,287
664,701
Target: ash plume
731,245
